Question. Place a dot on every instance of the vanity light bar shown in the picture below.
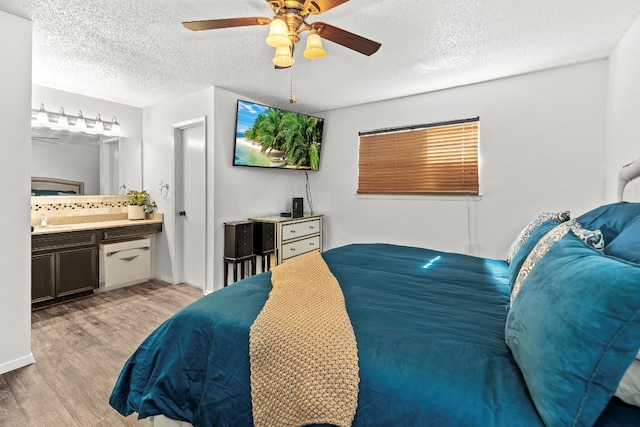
(60, 120)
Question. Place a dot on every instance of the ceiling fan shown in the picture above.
(288, 23)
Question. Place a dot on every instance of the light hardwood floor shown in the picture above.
(79, 348)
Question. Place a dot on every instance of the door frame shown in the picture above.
(177, 176)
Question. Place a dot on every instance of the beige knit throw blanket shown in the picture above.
(302, 350)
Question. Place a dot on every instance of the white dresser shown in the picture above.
(295, 236)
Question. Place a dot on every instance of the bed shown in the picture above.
(442, 338)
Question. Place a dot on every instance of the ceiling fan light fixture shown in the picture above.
(283, 57)
(314, 49)
(278, 34)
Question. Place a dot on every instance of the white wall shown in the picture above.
(15, 166)
(233, 193)
(157, 146)
(623, 110)
(243, 192)
(541, 148)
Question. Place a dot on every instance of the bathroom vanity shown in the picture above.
(64, 258)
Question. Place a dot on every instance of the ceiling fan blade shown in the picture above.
(315, 7)
(214, 24)
(346, 39)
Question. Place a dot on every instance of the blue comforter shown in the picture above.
(430, 332)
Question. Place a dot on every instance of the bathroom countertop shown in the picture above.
(65, 228)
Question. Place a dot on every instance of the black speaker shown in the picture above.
(297, 210)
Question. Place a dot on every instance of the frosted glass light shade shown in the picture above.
(98, 126)
(115, 126)
(43, 117)
(80, 123)
(283, 57)
(278, 34)
(314, 48)
(63, 121)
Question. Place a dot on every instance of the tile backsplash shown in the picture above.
(78, 209)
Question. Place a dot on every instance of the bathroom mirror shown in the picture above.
(106, 165)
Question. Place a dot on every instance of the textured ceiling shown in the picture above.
(138, 53)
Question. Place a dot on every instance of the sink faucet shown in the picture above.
(43, 223)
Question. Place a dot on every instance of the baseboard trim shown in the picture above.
(12, 365)
(167, 279)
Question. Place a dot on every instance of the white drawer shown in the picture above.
(124, 263)
(300, 229)
(299, 247)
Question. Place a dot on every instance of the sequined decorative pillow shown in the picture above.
(531, 227)
(591, 238)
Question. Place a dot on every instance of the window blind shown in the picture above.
(439, 159)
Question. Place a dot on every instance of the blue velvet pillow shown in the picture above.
(574, 329)
(527, 246)
(626, 245)
(610, 219)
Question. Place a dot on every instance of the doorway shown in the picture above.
(190, 202)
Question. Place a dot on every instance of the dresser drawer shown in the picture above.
(299, 247)
(300, 229)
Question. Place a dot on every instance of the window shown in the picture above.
(439, 158)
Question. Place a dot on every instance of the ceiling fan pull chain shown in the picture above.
(293, 92)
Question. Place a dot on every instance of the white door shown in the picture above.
(191, 197)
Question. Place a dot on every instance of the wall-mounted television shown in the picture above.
(270, 137)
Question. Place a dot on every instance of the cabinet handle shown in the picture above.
(144, 248)
(311, 244)
(293, 231)
(311, 227)
(293, 249)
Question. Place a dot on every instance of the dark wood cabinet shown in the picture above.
(76, 271)
(238, 248)
(43, 277)
(238, 239)
(264, 242)
(263, 237)
(63, 265)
